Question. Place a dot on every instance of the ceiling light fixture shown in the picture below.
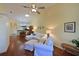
(33, 10)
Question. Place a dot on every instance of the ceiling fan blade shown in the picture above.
(38, 12)
(26, 7)
(41, 7)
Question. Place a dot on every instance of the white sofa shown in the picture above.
(30, 45)
(37, 45)
(33, 40)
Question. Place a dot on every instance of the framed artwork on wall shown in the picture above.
(70, 27)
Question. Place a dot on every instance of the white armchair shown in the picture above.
(44, 49)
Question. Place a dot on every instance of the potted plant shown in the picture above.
(76, 42)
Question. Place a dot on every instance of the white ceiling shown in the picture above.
(18, 10)
(18, 7)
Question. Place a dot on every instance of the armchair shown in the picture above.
(44, 49)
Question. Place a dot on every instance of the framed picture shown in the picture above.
(70, 27)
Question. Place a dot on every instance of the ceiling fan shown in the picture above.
(34, 8)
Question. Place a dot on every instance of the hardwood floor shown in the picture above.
(16, 49)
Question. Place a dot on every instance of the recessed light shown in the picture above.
(27, 15)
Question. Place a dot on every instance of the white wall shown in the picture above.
(56, 16)
(68, 13)
(4, 41)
